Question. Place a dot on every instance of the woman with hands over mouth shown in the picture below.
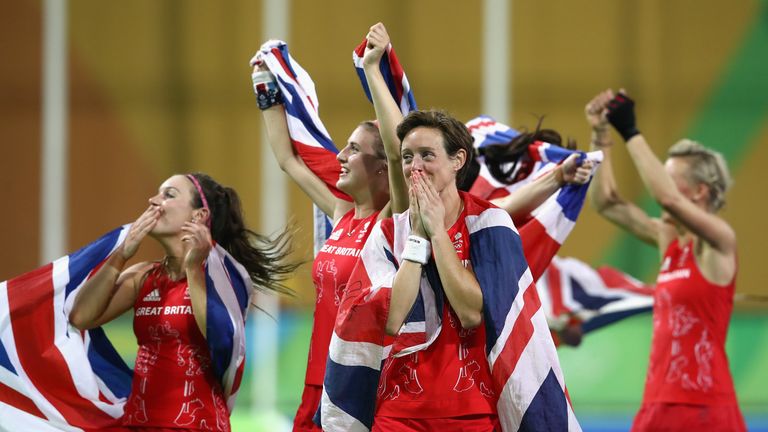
(446, 384)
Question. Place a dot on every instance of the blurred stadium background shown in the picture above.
(156, 87)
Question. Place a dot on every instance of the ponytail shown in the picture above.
(263, 257)
(509, 162)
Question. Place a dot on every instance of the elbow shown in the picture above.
(668, 201)
(78, 321)
(605, 200)
(470, 320)
(392, 329)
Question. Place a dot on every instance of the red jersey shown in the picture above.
(173, 382)
(688, 362)
(330, 272)
(451, 377)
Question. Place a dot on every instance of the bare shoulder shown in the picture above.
(135, 273)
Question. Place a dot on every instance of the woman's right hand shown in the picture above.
(575, 172)
(417, 227)
(378, 40)
(596, 110)
(139, 229)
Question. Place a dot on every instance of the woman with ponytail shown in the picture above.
(176, 382)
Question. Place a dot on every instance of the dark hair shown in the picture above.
(507, 162)
(262, 257)
(378, 144)
(455, 134)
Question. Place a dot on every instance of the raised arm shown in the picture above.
(275, 121)
(388, 114)
(527, 198)
(604, 192)
(663, 188)
(111, 291)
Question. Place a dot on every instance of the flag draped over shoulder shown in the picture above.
(520, 351)
(551, 223)
(569, 288)
(55, 377)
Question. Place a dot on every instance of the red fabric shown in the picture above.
(330, 272)
(476, 423)
(451, 377)
(173, 382)
(310, 401)
(668, 417)
(688, 363)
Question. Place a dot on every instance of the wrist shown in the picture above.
(194, 269)
(559, 175)
(629, 132)
(417, 249)
(268, 94)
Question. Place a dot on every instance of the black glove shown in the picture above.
(621, 115)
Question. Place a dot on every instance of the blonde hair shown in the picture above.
(706, 167)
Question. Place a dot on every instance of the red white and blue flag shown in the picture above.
(308, 134)
(54, 377)
(520, 351)
(570, 288)
(394, 76)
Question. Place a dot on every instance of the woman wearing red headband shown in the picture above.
(174, 385)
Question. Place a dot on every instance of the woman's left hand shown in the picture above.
(197, 244)
(431, 208)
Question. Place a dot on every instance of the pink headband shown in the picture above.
(202, 197)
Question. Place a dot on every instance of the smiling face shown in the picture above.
(174, 200)
(360, 162)
(423, 150)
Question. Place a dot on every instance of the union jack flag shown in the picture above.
(520, 351)
(55, 377)
(394, 76)
(308, 134)
(569, 288)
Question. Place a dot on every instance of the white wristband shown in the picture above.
(417, 250)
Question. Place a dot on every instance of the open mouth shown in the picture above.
(344, 171)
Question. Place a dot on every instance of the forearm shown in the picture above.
(655, 178)
(389, 116)
(524, 200)
(197, 294)
(405, 288)
(94, 297)
(604, 190)
(276, 124)
(460, 285)
(280, 142)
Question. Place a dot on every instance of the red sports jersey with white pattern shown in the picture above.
(451, 377)
(330, 272)
(173, 383)
(688, 362)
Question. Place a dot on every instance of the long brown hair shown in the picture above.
(264, 258)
